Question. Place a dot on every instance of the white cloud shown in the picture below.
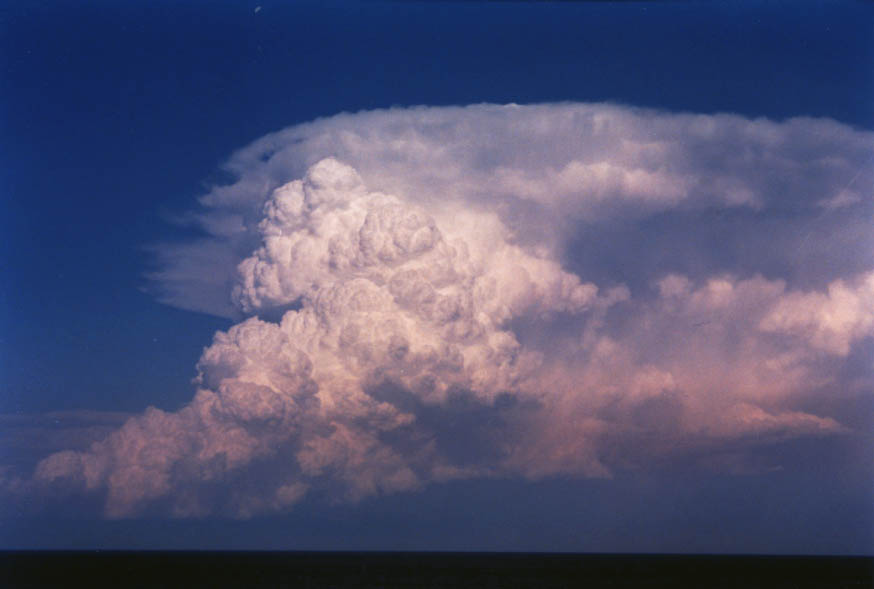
(429, 326)
(541, 169)
(830, 321)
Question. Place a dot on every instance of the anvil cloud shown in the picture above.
(435, 293)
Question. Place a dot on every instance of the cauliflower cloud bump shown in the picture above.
(409, 316)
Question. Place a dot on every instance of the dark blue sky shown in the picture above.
(115, 116)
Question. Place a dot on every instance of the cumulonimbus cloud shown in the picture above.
(415, 303)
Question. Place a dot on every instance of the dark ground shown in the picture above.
(383, 569)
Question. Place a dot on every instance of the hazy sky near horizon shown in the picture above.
(453, 276)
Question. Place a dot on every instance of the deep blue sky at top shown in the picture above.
(114, 114)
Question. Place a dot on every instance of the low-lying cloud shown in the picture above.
(528, 291)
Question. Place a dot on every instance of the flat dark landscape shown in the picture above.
(401, 569)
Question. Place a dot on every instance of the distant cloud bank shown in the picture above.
(430, 294)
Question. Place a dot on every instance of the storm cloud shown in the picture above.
(430, 294)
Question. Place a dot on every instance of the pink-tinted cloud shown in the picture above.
(422, 333)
